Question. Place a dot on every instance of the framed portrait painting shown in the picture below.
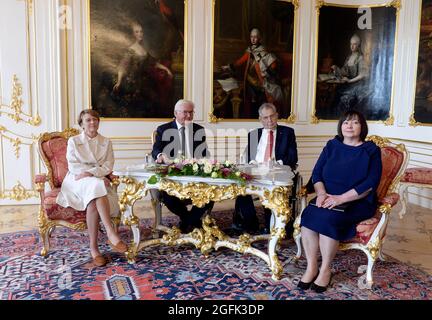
(136, 57)
(355, 61)
(253, 46)
(422, 114)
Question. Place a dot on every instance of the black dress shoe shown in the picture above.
(306, 285)
(320, 289)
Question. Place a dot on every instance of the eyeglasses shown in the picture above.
(186, 112)
(272, 116)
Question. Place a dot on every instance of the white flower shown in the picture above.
(176, 160)
(195, 167)
(228, 163)
(208, 167)
(238, 173)
(214, 175)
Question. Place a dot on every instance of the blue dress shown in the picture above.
(341, 168)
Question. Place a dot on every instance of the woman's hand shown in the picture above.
(320, 200)
(106, 181)
(83, 175)
(332, 201)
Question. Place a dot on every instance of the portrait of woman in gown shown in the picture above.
(136, 57)
(135, 87)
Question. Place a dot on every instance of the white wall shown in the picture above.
(52, 64)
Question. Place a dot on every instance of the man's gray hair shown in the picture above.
(266, 105)
(182, 102)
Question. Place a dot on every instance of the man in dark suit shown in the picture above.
(270, 142)
(181, 137)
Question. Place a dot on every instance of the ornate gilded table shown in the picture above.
(272, 187)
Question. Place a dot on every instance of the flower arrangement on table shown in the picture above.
(200, 168)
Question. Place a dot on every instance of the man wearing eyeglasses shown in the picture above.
(272, 141)
(181, 137)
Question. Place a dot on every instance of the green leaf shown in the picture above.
(153, 179)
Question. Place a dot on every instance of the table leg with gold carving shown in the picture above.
(277, 201)
(133, 191)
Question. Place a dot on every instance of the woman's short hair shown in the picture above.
(91, 112)
(353, 114)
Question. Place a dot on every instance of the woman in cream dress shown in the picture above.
(86, 186)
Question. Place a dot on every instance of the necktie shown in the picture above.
(183, 141)
(269, 148)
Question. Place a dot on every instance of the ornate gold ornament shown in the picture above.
(296, 4)
(213, 119)
(319, 4)
(389, 121)
(16, 142)
(314, 119)
(16, 106)
(201, 193)
(18, 193)
(133, 191)
(412, 121)
(277, 268)
(395, 4)
(291, 119)
(276, 201)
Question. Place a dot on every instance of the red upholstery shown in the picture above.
(365, 229)
(40, 178)
(392, 159)
(57, 212)
(55, 152)
(418, 175)
(53, 148)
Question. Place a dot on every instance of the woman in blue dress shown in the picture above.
(348, 171)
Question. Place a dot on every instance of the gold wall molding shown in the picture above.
(16, 105)
(18, 193)
(17, 140)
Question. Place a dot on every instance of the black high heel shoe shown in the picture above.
(321, 289)
(306, 285)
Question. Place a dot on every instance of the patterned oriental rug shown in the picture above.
(183, 273)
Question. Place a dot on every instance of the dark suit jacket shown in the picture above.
(168, 141)
(285, 149)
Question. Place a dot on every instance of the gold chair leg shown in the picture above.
(44, 235)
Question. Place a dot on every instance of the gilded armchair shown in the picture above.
(52, 149)
(371, 232)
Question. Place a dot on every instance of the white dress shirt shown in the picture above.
(262, 145)
(189, 137)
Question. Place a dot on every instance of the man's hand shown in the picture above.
(83, 175)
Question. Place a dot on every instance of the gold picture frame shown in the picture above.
(149, 41)
(333, 92)
(228, 93)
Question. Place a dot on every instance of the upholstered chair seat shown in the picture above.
(52, 148)
(413, 177)
(370, 233)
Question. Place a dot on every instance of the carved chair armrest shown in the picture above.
(391, 199)
(115, 180)
(40, 180)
